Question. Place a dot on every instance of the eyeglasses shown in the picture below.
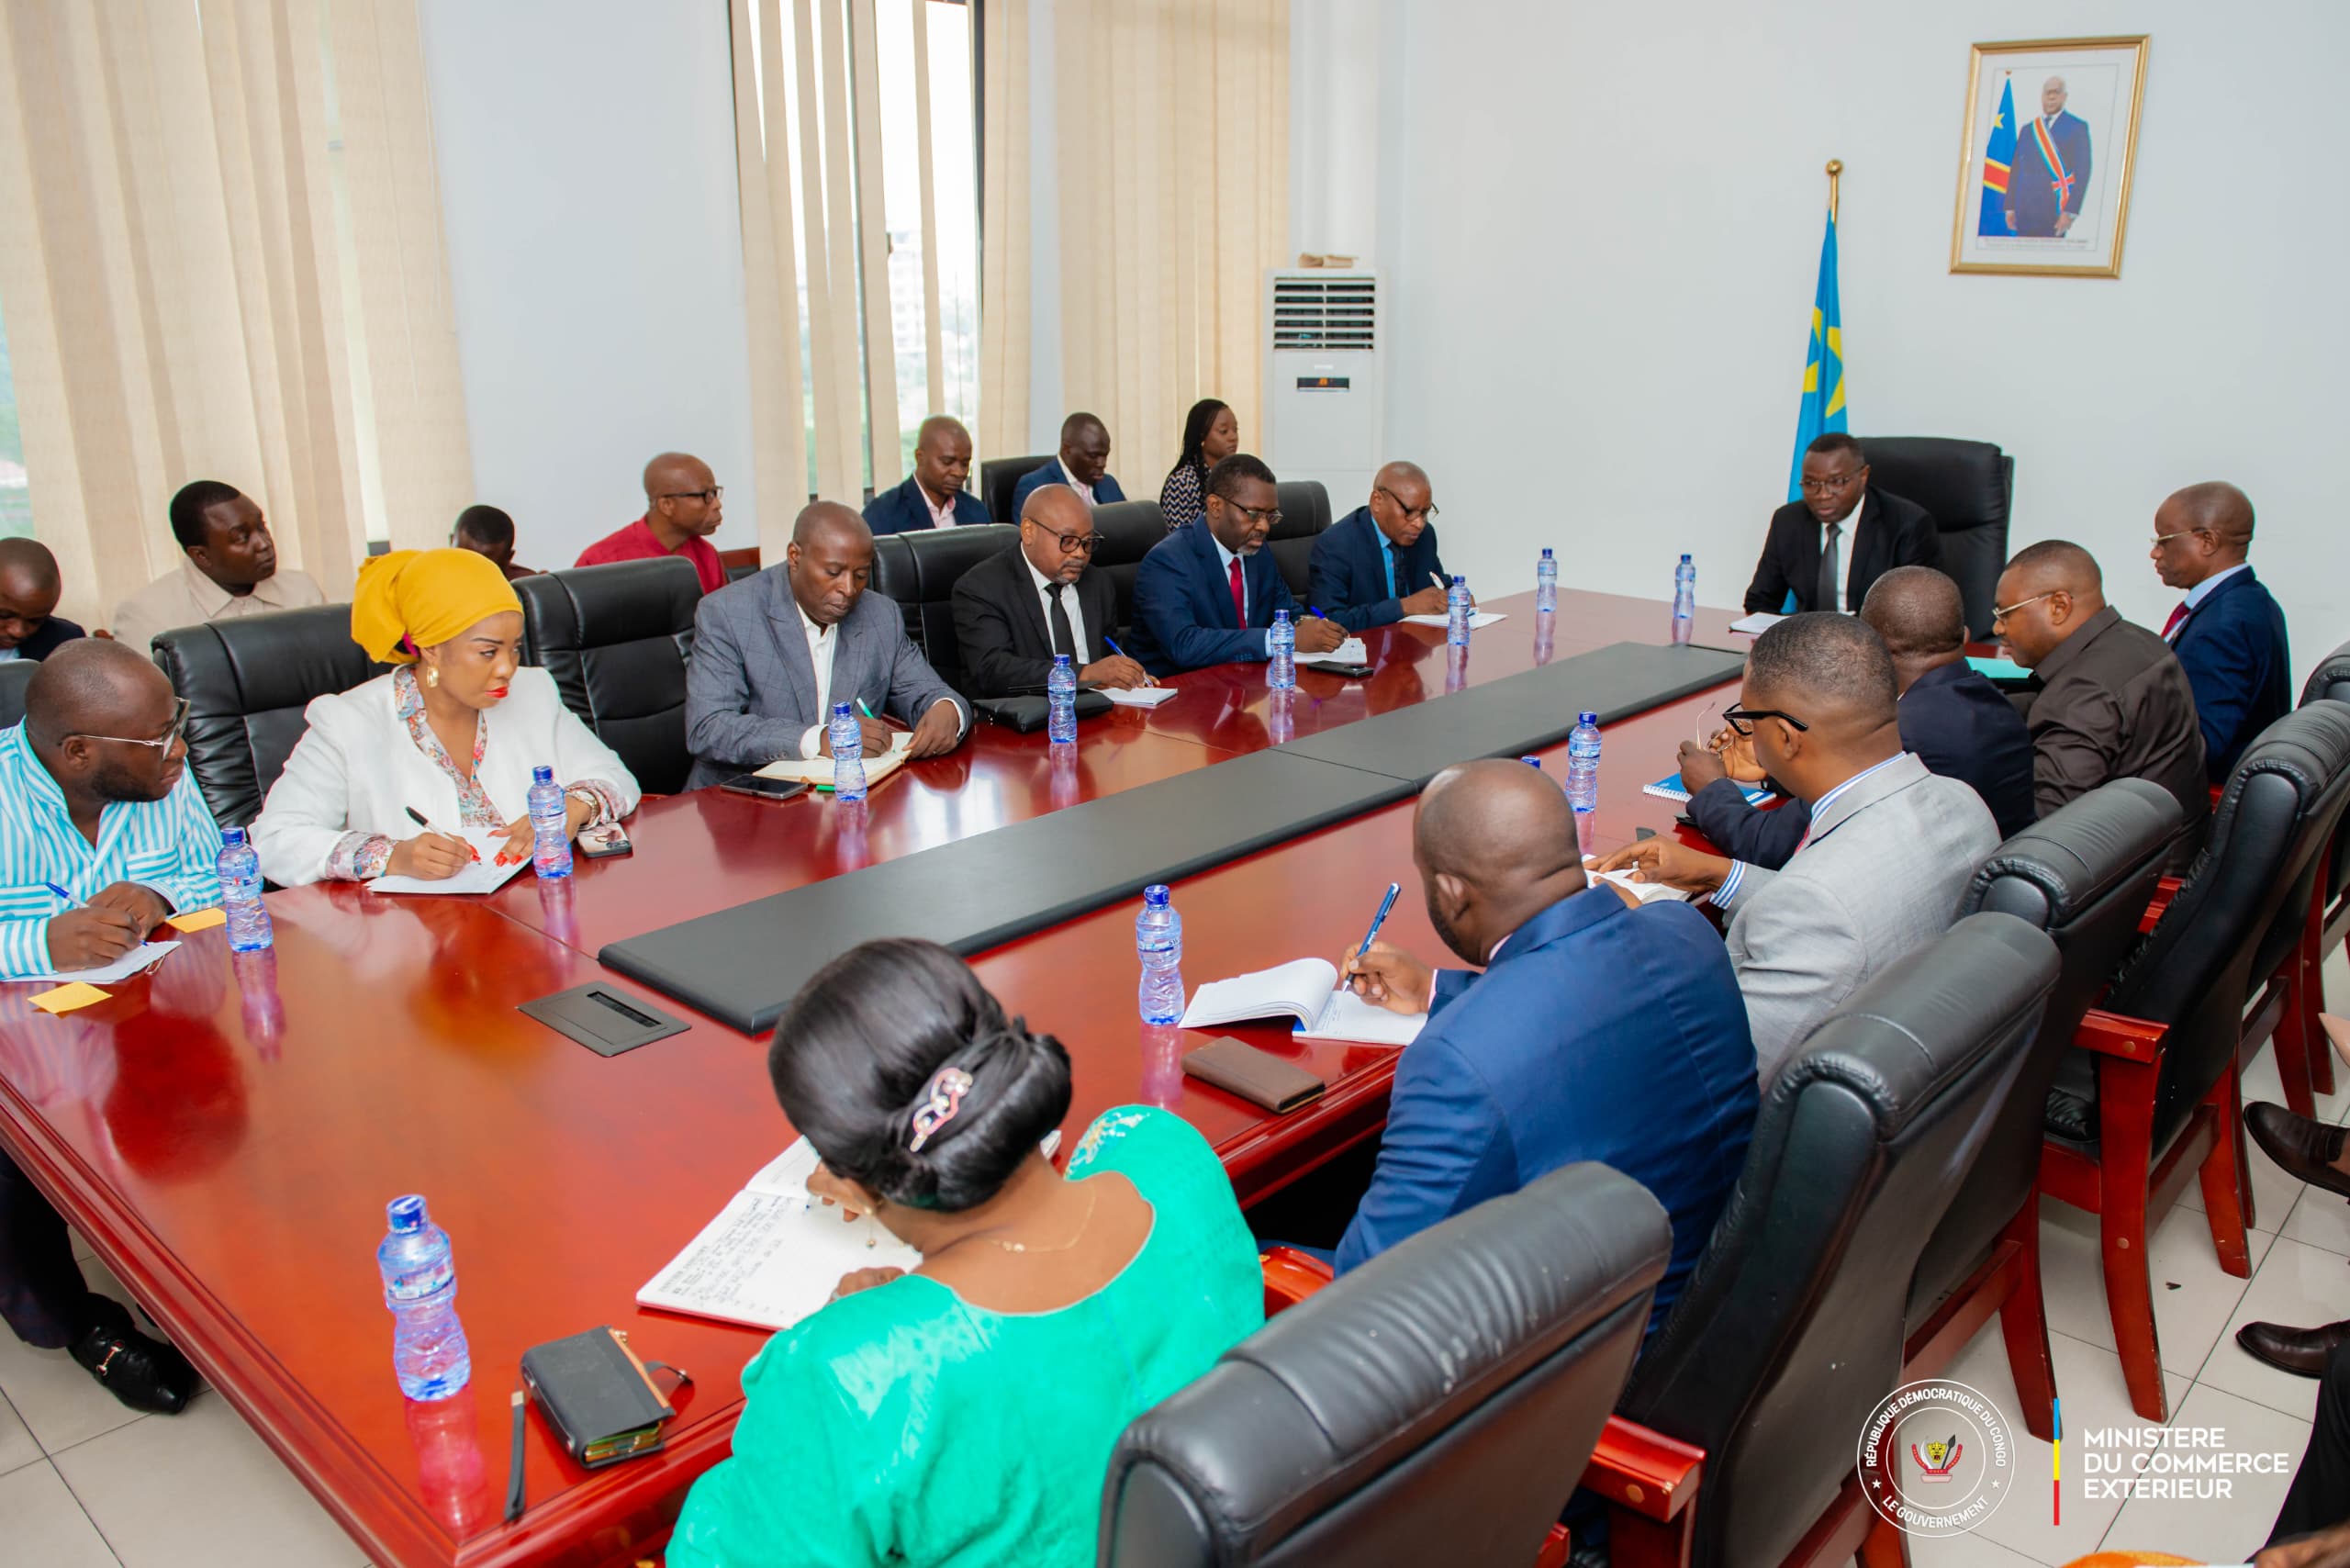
(179, 722)
(1833, 482)
(1426, 513)
(1741, 718)
(1071, 543)
(709, 498)
(1998, 615)
(1270, 516)
(2162, 539)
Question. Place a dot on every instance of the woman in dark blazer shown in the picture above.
(1210, 434)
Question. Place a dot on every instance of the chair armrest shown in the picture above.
(1291, 1276)
(2165, 890)
(2114, 1035)
(1646, 1471)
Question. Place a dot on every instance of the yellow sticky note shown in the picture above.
(197, 920)
(67, 997)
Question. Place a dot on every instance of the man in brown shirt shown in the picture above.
(2112, 701)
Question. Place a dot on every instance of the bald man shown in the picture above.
(1379, 563)
(1889, 849)
(2113, 701)
(684, 504)
(2049, 182)
(775, 652)
(1082, 463)
(2228, 632)
(1041, 597)
(934, 497)
(30, 586)
(103, 835)
(1596, 1032)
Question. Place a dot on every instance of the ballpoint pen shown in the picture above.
(1379, 919)
(69, 901)
(1148, 679)
(419, 819)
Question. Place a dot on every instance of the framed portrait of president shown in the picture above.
(2044, 163)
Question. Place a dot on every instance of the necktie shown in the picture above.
(1064, 639)
(1831, 571)
(2176, 616)
(1239, 597)
(1387, 559)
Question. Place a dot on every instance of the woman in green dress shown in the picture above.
(965, 1413)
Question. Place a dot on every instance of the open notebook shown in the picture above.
(818, 771)
(1350, 652)
(485, 875)
(1478, 620)
(1308, 991)
(773, 1254)
(1647, 892)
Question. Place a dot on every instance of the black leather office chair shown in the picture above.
(2156, 1081)
(616, 639)
(1434, 1405)
(2330, 916)
(998, 478)
(919, 569)
(1128, 529)
(1305, 512)
(1970, 488)
(2083, 874)
(15, 676)
(247, 682)
(1790, 1329)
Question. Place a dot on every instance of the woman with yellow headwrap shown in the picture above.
(450, 736)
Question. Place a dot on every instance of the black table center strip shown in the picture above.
(742, 966)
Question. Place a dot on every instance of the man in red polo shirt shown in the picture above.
(683, 506)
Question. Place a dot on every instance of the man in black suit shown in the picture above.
(1014, 612)
(1958, 723)
(1871, 530)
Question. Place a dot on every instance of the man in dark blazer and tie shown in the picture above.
(1014, 610)
(934, 497)
(1844, 530)
(1083, 465)
(2050, 178)
(1596, 1032)
(1956, 723)
(2228, 632)
(1378, 564)
(1206, 593)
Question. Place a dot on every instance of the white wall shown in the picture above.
(587, 163)
(1600, 225)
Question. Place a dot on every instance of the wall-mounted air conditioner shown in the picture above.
(1323, 397)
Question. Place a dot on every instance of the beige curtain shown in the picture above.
(187, 297)
(1173, 129)
(1003, 231)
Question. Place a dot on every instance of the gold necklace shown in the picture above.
(1074, 1237)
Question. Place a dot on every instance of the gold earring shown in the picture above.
(432, 676)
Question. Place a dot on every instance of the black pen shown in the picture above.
(514, 1463)
(417, 818)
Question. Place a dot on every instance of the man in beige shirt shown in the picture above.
(230, 569)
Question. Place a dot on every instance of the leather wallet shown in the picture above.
(1259, 1077)
(598, 1396)
(1027, 714)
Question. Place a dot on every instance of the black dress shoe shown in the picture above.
(2300, 1351)
(2300, 1146)
(145, 1375)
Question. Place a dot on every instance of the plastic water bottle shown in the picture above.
(240, 867)
(1159, 943)
(429, 1351)
(549, 826)
(1685, 600)
(1546, 582)
(848, 754)
(1282, 641)
(1061, 697)
(1456, 607)
(1583, 774)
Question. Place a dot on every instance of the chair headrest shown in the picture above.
(1962, 482)
(598, 607)
(2331, 679)
(2075, 856)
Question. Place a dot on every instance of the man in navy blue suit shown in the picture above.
(2228, 632)
(1206, 593)
(1378, 564)
(2050, 178)
(934, 497)
(1597, 1031)
(1083, 465)
(1959, 724)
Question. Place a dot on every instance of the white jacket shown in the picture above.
(358, 770)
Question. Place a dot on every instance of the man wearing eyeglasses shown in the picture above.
(1825, 550)
(103, 835)
(1206, 593)
(2228, 632)
(2113, 701)
(1016, 611)
(1378, 564)
(684, 504)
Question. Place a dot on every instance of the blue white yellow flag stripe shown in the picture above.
(1822, 407)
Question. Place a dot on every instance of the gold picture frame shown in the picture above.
(2060, 205)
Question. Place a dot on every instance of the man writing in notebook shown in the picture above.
(1596, 1032)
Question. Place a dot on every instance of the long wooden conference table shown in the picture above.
(227, 1131)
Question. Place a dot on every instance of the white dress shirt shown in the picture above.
(1080, 655)
(822, 641)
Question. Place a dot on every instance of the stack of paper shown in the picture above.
(1478, 619)
(1139, 695)
(818, 771)
(1647, 892)
(483, 876)
(1350, 652)
(1308, 991)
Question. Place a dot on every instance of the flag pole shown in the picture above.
(1835, 171)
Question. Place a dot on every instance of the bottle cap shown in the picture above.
(405, 1213)
(1155, 895)
(840, 710)
(543, 775)
(1591, 719)
(231, 835)
(1459, 582)
(1281, 617)
(1546, 553)
(1058, 658)
(1684, 555)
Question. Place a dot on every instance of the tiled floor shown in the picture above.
(85, 1484)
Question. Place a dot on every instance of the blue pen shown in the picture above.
(60, 892)
(1148, 679)
(1381, 918)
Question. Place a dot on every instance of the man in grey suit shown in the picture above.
(774, 652)
(1890, 847)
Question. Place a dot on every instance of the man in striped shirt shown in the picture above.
(103, 835)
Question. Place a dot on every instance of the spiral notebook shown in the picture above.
(1668, 789)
